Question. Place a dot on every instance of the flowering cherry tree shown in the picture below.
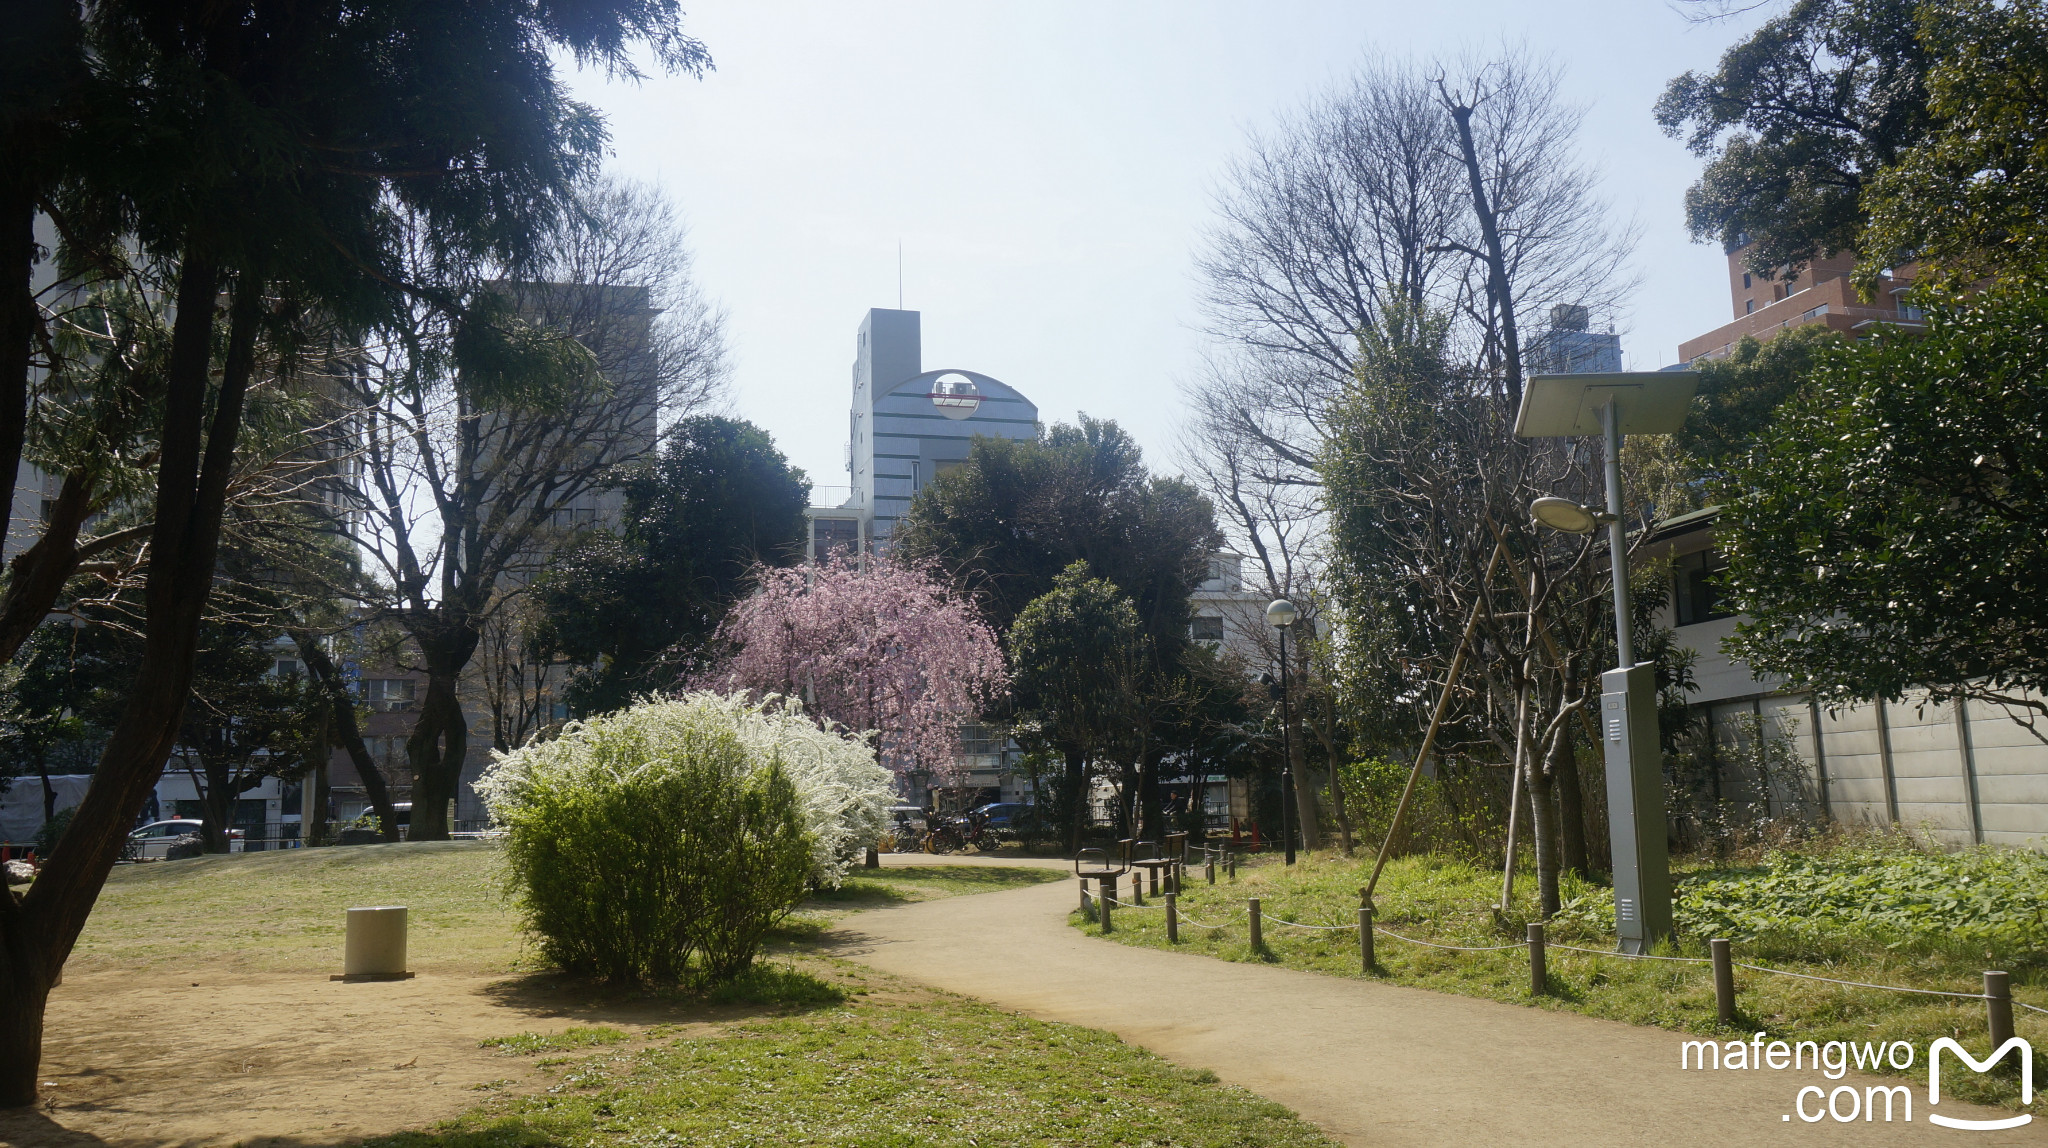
(889, 649)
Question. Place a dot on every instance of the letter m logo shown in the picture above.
(2026, 1052)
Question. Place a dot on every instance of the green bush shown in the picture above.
(651, 844)
(1981, 897)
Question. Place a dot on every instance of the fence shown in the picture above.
(1997, 995)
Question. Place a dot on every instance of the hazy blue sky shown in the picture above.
(1048, 168)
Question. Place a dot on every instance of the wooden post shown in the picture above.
(874, 858)
(1258, 933)
(1211, 869)
(1108, 887)
(1443, 703)
(1172, 919)
(1539, 976)
(1724, 981)
(1998, 1006)
(1365, 955)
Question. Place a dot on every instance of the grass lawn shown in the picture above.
(285, 911)
(805, 1049)
(892, 1065)
(1448, 902)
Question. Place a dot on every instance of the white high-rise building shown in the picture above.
(906, 425)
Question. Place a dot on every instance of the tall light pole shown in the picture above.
(1609, 405)
(1281, 614)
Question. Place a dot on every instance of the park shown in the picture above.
(1334, 627)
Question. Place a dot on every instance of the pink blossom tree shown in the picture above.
(888, 649)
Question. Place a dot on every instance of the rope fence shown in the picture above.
(1997, 994)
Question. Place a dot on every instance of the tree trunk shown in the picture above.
(24, 993)
(17, 329)
(1498, 287)
(1077, 800)
(37, 575)
(1571, 803)
(1543, 818)
(436, 749)
(1307, 810)
(194, 465)
(341, 712)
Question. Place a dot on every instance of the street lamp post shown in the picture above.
(1281, 614)
(1609, 405)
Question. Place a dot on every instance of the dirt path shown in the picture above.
(1372, 1064)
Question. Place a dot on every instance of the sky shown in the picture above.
(1049, 171)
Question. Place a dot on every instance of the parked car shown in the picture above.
(154, 841)
(1006, 816)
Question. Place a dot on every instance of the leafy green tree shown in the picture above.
(1796, 122)
(1009, 522)
(262, 149)
(1972, 197)
(637, 608)
(1739, 396)
(1078, 657)
(1886, 534)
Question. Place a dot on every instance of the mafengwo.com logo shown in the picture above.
(1847, 1103)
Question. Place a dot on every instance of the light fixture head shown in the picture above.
(1281, 613)
(1566, 515)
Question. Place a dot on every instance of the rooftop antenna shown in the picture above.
(899, 275)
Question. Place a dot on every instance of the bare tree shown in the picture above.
(1447, 196)
(488, 442)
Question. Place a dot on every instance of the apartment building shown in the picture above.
(1963, 772)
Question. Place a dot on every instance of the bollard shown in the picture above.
(373, 948)
(1724, 981)
(1108, 888)
(874, 858)
(1539, 977)
(1365, 955)
(1998, 1007)
(1154, 871)
(1172, 919)
(1258, 934)
(1210, 869)
(1137, 888)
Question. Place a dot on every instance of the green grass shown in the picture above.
(1449, 902)
(286, 911)
(842, 1055)
(529, 1043)
(933, 1070)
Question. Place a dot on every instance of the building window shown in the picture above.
(977, 740)
(1696, 593)
(574, 516)
(1206, 628)
(1749, 306)
(289, 668)
(829, 534)
(387, 695)
(1745, 280)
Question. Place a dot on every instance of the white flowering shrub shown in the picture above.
(652, 844)
(661, 842)
(846, 794)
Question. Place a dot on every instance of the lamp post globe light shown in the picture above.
(1611, 404)
(1280, 613)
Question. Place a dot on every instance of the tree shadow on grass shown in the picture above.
(767, 989)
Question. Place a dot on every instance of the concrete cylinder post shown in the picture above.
(1539, 975)
(1724, 981)
(1257, 919)
(1173, 918)
(1998, 1006)
(374, 945)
